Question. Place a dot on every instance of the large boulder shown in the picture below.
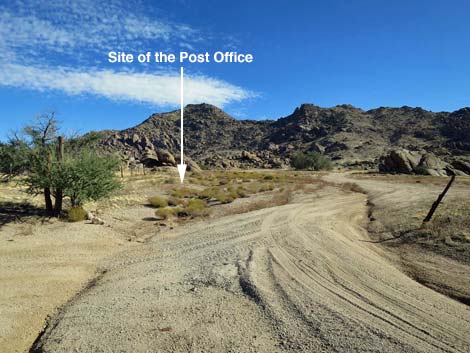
(192, 166)
(166, 158)
(150, 159)
(433, 165)
(399, 161)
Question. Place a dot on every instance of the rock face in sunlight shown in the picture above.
(349, 136)
(426, 163)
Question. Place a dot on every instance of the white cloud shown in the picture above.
(30, 29)
(161, 89)
(58, 45)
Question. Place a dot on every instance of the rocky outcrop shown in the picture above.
(400, 161)
(251, 157)
(407, 162)
(461, 165)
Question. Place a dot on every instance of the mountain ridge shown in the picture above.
(350, 136)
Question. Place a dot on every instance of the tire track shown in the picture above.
(293, 278)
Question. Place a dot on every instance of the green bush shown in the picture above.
(310, 161)
(82, 177)
(77, 214)
(176, 201)
(158, 201)
(196, 207)
(420, 170)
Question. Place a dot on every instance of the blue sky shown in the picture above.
(369, 53)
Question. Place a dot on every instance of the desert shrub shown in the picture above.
(420, 170)
(158, 201)
(219, 194)
(241, 192)
(166, 212)
(225, 198)
(196, 207)
(77, 214)
(176, 201)
(183, 192)
(209, 193)
(310, 161)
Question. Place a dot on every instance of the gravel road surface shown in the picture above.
(295, 278)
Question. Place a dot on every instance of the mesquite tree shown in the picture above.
(48, 169)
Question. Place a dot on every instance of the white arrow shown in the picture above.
(181, 166)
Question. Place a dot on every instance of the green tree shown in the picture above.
(310, 161)
(78, 174)
(86, 176)
(14, 158)
(40, 137)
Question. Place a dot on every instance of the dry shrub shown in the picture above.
(77, 214)
(177, 201)
(158, 201)
(195, 208)
(184, 192)
(167, 212)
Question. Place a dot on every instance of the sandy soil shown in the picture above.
(399, 203)
(45, 262)
(42, 266)
(301, 277)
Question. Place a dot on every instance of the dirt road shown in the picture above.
(297, 278)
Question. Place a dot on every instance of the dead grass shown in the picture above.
(448, 233)
(276, 199)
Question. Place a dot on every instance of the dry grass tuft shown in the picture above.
(158, 201)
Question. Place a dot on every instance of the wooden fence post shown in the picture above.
(438, 201)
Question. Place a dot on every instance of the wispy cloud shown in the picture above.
(161, 89)
(35, 28)
(38, 37)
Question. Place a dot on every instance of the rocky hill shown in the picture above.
(349, 136)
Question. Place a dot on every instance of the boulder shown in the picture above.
(192, 166)
(433, 165)
(166, 158)
(462, 166)
(135, 138)
(250, 157)
(430, 161)
(399, 161)
(150, 159)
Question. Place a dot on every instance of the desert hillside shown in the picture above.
(349, 136)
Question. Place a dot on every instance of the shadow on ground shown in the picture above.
(17, 212)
